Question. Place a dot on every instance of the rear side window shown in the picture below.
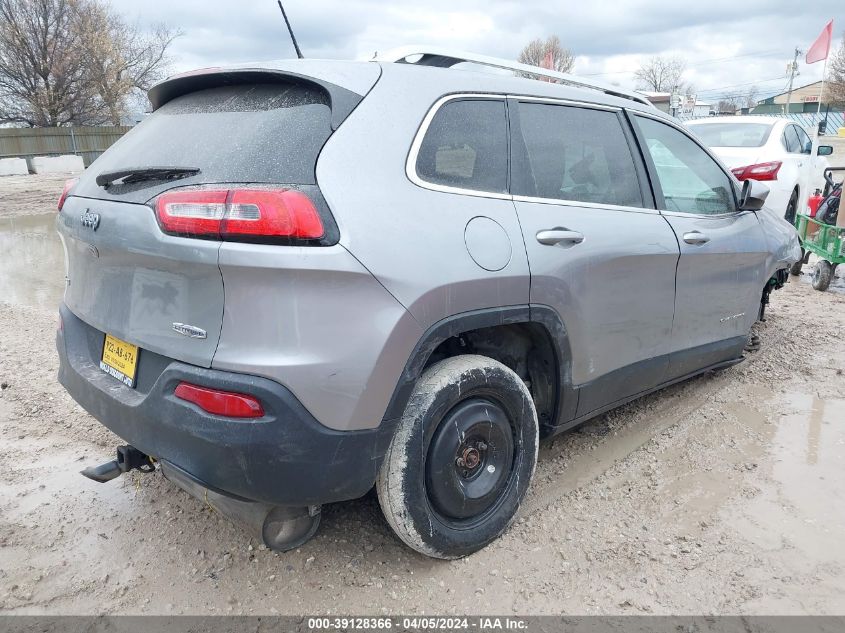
(790, 140)
(803, 140)
(466, 146)
(577, 154)
(264, 133)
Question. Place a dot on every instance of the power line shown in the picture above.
(749, 83)
(695, 65)
(726, 59)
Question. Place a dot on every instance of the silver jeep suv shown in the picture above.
(299, 280)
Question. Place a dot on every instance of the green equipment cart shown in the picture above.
(826, 241)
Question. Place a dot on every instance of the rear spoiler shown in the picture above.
(342, 100)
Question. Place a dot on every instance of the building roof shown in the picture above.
(796, 89)
(665, 97)
(731, 118)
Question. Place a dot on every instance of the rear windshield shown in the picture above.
(245, 133)
(732, 134)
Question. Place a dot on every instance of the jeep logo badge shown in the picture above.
(90, 220)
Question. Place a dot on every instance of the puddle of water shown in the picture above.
(702, 489)
(31, 261)
(587, 465)
(806, 503)
(44, 480)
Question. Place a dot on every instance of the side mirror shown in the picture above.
(753, 196)
(825, 150)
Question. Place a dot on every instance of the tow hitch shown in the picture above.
(280, 528)
(128, 458)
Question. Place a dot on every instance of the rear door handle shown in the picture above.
(558, 235)
(696, 237)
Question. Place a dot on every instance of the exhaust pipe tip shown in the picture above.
(287, 528)
(281, 528)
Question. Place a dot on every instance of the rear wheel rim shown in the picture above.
(470, 462)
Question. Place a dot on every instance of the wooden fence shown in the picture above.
(88, 142)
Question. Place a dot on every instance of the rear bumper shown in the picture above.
(284, 458)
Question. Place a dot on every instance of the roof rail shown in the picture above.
(445, 58)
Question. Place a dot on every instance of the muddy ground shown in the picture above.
(722, 495)
(31, 195)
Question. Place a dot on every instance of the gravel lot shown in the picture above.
(723, 495)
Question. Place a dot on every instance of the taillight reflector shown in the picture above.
(225, 403)
(759, 171)
(69, 184)
(239, 214)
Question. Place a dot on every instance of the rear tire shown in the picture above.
(822, 274)
(461, 459)
(792, 208)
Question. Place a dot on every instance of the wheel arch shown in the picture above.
(501, 333)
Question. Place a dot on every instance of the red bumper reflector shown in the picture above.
(225, 403)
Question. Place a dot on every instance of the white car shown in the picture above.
(775, 150)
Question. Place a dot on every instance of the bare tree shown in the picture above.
(727, 106)
(121, 58)
(750, 97)
(538, 52)
(73, 61)
(835, 85)
(661, 74)
(731, 103)
(42, 70)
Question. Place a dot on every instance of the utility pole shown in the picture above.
(793, 69)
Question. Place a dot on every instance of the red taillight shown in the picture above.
(759, 171)
(225, 403)
(192, 212)
(239, 214)
(69, 184)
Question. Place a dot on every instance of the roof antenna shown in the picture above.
(290, 30)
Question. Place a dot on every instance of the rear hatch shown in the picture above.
(218, 130)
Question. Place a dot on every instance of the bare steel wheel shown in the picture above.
(461, 459)
(469, 462)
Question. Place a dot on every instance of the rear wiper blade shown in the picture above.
(140, 174)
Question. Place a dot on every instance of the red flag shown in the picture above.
(548, 61)
(821, 47)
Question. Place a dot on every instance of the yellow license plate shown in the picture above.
(120, 359)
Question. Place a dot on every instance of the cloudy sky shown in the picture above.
(729, 45)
